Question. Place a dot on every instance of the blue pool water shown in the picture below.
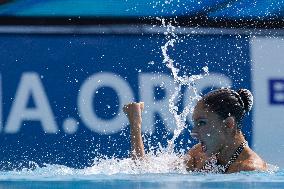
(120, 175)
(158, 181)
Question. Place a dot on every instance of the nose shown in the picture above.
(194, 134)
(194, 130)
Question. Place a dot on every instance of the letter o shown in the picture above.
(85, 102)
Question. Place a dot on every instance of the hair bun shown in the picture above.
(247, 98)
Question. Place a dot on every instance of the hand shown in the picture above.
(134, 112)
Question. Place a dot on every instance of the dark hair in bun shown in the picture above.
(247, 98)
(227, 102)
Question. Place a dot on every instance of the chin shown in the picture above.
(209, 152)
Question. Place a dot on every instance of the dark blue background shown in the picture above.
(218, 9)
(61, 59)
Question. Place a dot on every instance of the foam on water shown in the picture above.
(161, 162)
(127, 169)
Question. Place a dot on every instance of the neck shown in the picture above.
(230, 148)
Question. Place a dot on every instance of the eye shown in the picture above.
(200, 123)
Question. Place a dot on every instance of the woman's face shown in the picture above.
(209, 129)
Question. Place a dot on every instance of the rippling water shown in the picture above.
(159, 171)
(62, 177)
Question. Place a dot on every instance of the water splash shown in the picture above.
(188, 81)
(125, 169)
(160, 162)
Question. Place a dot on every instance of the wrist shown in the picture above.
(135, 128)
(135, 122)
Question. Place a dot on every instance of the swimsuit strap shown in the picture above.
(235, 155)
(211, 165)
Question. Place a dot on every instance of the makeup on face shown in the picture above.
(200, 122)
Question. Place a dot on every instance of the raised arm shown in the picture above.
(134, 114)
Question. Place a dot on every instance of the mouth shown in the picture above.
(194, 135)
(203, 145)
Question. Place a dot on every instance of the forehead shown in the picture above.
(201, 111)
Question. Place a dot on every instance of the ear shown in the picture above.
(230, 122)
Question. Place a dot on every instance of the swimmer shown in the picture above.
(217, 118)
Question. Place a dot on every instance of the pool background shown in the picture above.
(62, 89)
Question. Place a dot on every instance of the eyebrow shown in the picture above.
(199, 118)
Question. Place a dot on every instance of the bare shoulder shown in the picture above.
(196, 149)
(195, 158)
(252, 162)
(248, 165)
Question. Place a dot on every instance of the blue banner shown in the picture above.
(218, 9)
(62, 95)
